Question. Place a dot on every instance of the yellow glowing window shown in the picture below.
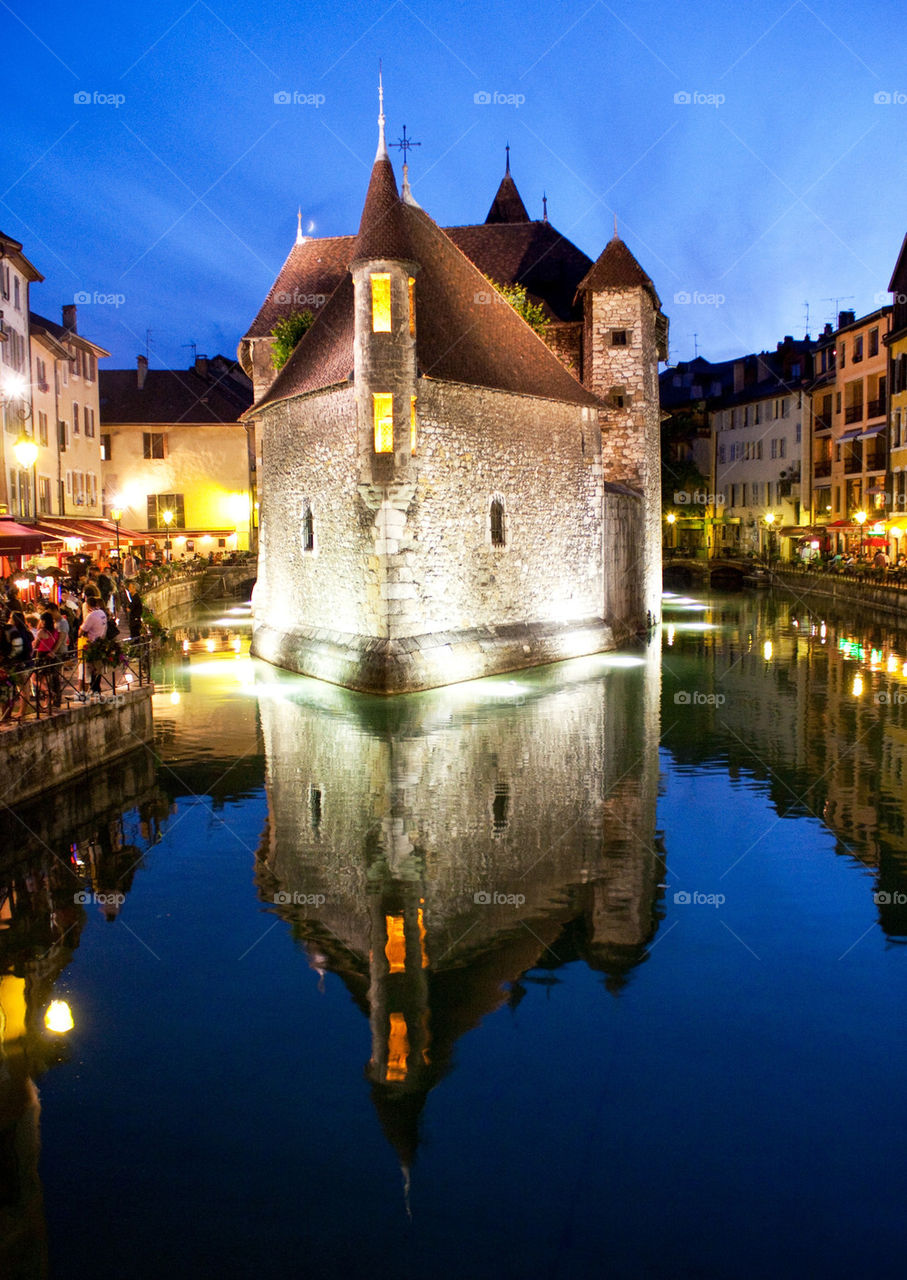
(384, 422)
(381, 303)
(397, 1047)
(412, 424)
(412, 307)
(396, 944)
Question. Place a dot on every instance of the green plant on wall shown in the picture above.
(286, 333)
(532, 312)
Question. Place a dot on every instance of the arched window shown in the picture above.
(308, 528)
(497, 522)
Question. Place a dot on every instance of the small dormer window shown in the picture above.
(619, 338)
(497, 523)
(383, 409)
(308, 528)
(412, 307)
(381, 303)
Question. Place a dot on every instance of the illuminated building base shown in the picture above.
(374, 665)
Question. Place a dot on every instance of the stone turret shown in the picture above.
(624, 336)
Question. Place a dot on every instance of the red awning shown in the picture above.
(95, 532)
(18, 539)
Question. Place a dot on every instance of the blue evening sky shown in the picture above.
(172, 191)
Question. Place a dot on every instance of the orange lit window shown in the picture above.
(412, 424)
(396, 944)
(384, 422)
(381, 303)
(397, 1047)
(412, 307)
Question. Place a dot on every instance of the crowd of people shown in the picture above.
(94, 601)
(878, 564)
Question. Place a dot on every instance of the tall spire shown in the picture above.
(300, 238)
(381, 153)
(615, 236)
(544, 206)
(507, 161)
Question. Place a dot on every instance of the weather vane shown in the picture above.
(406, 144)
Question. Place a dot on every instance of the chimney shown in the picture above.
(738, 375)
(69, 318)
(142, 371)
(845, 318)
(201, 366)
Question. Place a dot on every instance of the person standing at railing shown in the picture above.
(49, 652)
(16, 646)
(94, 628)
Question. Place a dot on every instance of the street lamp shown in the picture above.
(770, 526)
(116, 516)
(26, 451)
(860, 518)
(671, 520)
(167, 517)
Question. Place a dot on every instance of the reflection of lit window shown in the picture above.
(500, 806)
(384, 422)
(412, 307)
(396, 944)
(315, 805)
(381, 304)
(412, 424)
(397, 1047)
(421, 921)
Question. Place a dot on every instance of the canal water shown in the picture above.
(597, 969)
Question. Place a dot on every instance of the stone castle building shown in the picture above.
(443, 493)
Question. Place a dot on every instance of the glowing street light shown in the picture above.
(769, 518)
(26, 451)
(167, 518)
(116, 515)
(59, 1017)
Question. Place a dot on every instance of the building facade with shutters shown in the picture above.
(172, 442)
(444, 494)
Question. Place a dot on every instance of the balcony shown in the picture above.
(853, 464)
(822, 468)
(821, 423)
(875, 461)
(876, 408)
(853, 413)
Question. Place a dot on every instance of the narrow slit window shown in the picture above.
(412, 424)
(412, 307)
(497, 523)
(381, 303)
(308, 529)
(384, 422)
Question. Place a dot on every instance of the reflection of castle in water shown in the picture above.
(433, 850)
(54, 871)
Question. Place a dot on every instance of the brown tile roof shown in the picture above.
(507, 205)
(306, 280)
(532, 254)
(171, 396)
(324, 355)
(465, 332)
(616, 268)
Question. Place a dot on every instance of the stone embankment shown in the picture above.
(890, 599)
(169, 600)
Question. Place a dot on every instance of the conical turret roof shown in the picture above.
(507, 205)
(616, 268)
(383, 229)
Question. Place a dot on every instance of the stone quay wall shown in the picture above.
(871, 595)
(169, 600)
(39, 755)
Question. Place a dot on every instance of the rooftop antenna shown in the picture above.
(194, 346)
(695, 346)
(837, 305)
(806, 305)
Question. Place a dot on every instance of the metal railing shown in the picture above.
(853, 413)
(57, 687)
